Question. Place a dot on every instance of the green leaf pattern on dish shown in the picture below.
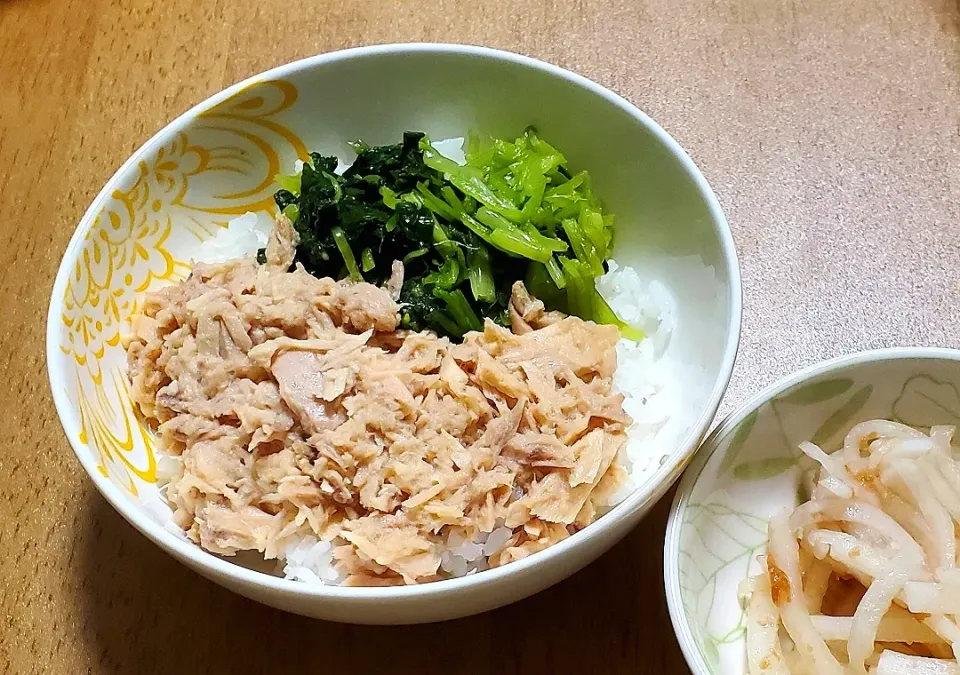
(739, 438)
(711, 652)
(763, 468)
(839, 421)
(817, 392)
(925, 401)
(805, 395)
(720, 542)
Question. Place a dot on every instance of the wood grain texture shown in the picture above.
(830, 131)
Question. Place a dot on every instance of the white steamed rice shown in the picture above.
(243, 236)
(647, 380)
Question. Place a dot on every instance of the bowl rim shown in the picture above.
(221, 568)
(671, 548)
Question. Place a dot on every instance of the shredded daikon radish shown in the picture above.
(834, 466)
(862, 579)
(892, 663)
(939, 520)
(815, 582)
(933, 467)
(763, 644)
(866, 620)
(945, 628)
(948, 576)
(851, 555)
(892, 628)
(783, 566)
(834, 487)
(853, 511)
(871, 430)
(932, 598)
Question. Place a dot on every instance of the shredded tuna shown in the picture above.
(527, 313)
(282, 245)
(395, 282)
(298, 409)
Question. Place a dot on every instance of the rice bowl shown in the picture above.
(685, 238)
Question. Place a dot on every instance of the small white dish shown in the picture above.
(748, 470)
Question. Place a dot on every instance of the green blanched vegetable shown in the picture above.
(367, 261)
(343, 245)
(481, 274)
(465, 233)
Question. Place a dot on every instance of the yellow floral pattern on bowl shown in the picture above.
(220, 165)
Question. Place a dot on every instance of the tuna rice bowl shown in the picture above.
(425, 365)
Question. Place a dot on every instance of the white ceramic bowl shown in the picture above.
(748, 470)
(218, 160)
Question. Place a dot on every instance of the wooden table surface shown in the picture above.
(830, 130)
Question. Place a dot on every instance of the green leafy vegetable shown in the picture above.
(481, 274)
(465, 233)
(340, 238)
(367, 261)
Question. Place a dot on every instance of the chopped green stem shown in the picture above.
(480, 275)
(366, 260)
(337, 189)
(591, 223)
(435, 160)
(290, 183)
(580, 289)
(514, 241)
(568, 188)
(292, 212)
(389, 197)
(475, 226)
(556, 274)
(449, 274)
(413, 255)
(526, 242)
(340, 238)
(435, 204)
(604, 314)
(583, 247)
(550, 243)
(473, 186)
(452, 199)
(460, 309)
